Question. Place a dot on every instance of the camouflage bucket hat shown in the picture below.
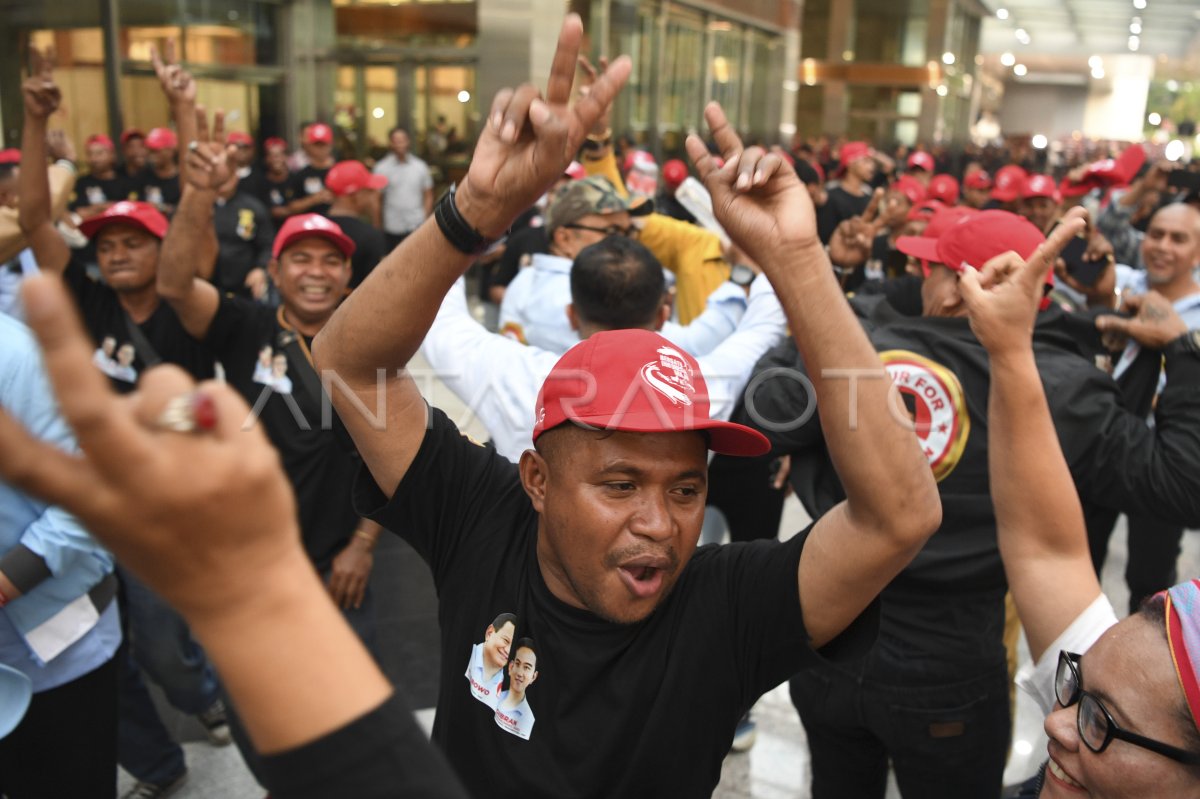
(591, 195)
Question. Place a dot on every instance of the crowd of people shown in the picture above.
(964, 378)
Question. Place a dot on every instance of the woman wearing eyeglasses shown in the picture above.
(1122, 698)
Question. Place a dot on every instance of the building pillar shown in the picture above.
(309, 39)
(521, 36)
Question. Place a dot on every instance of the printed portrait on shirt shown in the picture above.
(489, 659)
(513, 714)
(245, 224)
(116, 361)
(271, 370)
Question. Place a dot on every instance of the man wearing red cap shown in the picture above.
(266, 355)
(408, 195)
(1040, 201)
(102, 185)
(977, 189)
(126, 309)
(674, 172)
(309, 194)
(133, 153)
(1006, 189)
(271, 182)
(591, 540)
(921, 166)
(943, 188)
(160, 181)
(933, 694)
(356, 197)
(849, 195)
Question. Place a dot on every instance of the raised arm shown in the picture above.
(174, 486)
(180, 89)
(526, 144)
(42, 97)
(892, 505)
(191, 243)
(1039, 520)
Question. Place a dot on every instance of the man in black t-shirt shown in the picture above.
(272, 182)
(244, 235)
(356, 195)
(160, 179)
(591, 540)
(132, 330)
(102, 185)
(309, 194)
(850, 193)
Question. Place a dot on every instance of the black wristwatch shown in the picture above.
(458, 231)
(1187, 344)
(741, 275)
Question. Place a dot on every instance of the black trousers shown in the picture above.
(1153, 552)
(944, 726)
(66, 746)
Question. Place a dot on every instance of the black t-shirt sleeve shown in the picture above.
(381, 754)
(770, 639)
(454, 489)
(231, 336)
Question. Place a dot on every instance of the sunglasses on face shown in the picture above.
(1096, 726)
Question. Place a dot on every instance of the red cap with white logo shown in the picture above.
(304, 226)
(348, 177)
(973, 239)
(318, 133)
(1040, 186)
(127, 212)
(945, 188)
(638, 382)
(921, 160)
(162, 139)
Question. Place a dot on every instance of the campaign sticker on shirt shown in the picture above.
(271, 370)
(245, 224)
(154, 195)
(499, 673)
(276, 197)
(116, 361)
(313, 185)
(96, 195)
(934, 397)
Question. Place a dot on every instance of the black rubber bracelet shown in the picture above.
(457, 230)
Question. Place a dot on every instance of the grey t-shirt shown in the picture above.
(404, 195)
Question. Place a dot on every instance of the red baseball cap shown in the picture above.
(852, 151)
(910, 187)
(10, 156)
(924, 247)
(637, 158)
(1069, 188)
(239, 137)
(1117, 171)
(128, 212)
(979, 179)
(303, 226)
(944, 188)
(162, 139)
(131, 133)
(101, 139)
(674, 172)
(347, 177)
(1008, 183)
(1040, 186)
(638, 382)
(973, 239)
(921, 160)
(274, 141)
(318, 133)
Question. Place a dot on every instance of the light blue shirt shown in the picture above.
(76, 562)
(10, 283)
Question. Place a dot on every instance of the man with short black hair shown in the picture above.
(408, 196)
(307, 187)
(591, 539)
(355, 198)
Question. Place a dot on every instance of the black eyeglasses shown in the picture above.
(611, 230)
(1096, 726)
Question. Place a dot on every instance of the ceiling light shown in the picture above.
(1095, 62)
(464, 96)
(1134, 43)
(1172, 85)
(1155, 119)
(1008, 59)
(1098, 73)
(1135, 28)
(1020, 70)
(947, 58)
(1140, 5)
(1175, 150)
(1001, 13)
(942, 91)
(1039, 141)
